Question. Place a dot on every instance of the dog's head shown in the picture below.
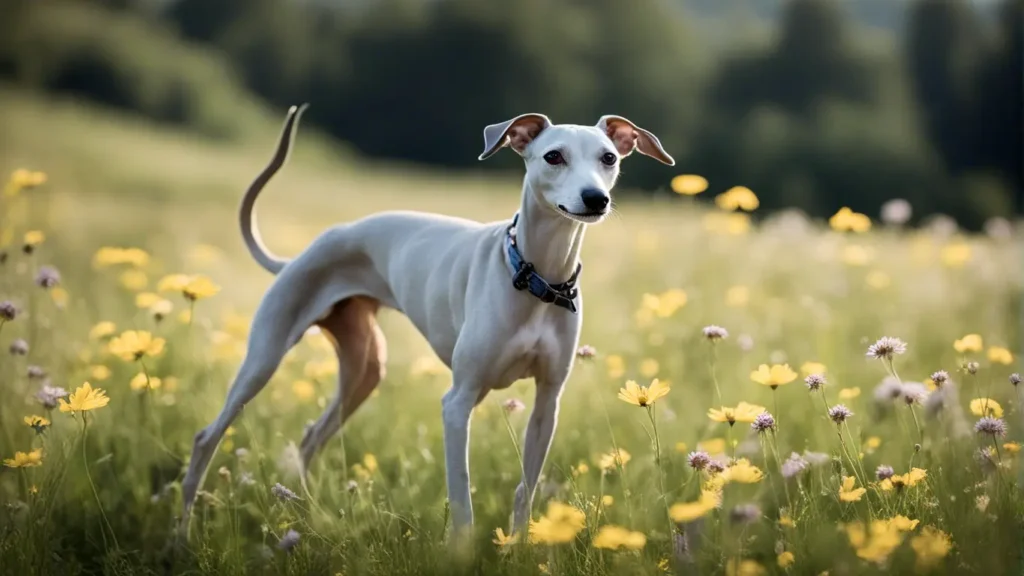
(570, 168)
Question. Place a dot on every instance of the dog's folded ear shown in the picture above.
(628, 137)
(517, 133)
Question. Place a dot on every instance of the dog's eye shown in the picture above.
(609, 159)
(554, 158)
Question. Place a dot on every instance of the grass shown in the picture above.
(788, 290)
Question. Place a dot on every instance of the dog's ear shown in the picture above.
(628, 136)
(517, 133)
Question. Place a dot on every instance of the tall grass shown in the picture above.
(105, 496)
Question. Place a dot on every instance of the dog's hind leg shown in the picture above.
(362, 354)
(266, 349)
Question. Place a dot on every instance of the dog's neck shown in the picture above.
(547, 239)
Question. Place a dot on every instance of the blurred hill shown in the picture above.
(812, 103)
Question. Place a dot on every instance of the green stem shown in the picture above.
(853, 464)
(657, 462)
(712, 363)
(920, 431)
(96, 495)
(775, 402)
(732, 446)
(778, 463)
(863, 473)
(512, 435)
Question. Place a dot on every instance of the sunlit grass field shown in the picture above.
(97, 490)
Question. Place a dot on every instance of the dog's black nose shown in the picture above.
(595, 199)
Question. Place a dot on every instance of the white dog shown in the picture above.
(497, 302)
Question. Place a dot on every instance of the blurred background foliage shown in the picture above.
(815, 104)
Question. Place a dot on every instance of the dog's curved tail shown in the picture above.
(247, 215)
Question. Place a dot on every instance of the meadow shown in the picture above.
(883, 353)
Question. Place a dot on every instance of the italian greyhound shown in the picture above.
(497, 302)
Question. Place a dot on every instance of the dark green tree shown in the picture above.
(944, 48)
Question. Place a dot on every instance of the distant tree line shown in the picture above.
(820, 113)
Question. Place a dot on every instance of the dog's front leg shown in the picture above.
(539, 432)
(456, 409)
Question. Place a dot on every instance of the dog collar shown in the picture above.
(525, 277)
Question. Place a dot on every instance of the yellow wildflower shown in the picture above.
(84, 399)
(37, 423)
(502, 540)
(969, 343)
(1012, 447)
(649, 367)
(808, 368)
(303, 390)
(1000, 355)
(616, 366)
(849, 393)
(147, 300)
(360, 472)
(690, 511)
(643, 395)
(665, 304)
(580, 469)
(99, 372)
(743, 412)
(689, 184)
(560, 525)
(191, 287)
(25, 459)
(133, 345)
(60, 297)
(847, 493)
(737, 198)
(786, 559)
(930, 546)
(787, 521)
(102, 330)
(901, 522)
(986, 407)
(773, 376)
(875, 543)
(847, 220)
(900, 481)
(712, 445)
(110, 256)
(370, 462)
(22, 179)
(615, 537)
(133, 279)
(736, 567)
(742, 471)
(614, 459)
(140, 382)
(33, 238)
(607, 500)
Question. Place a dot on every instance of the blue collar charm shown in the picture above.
(524, 277)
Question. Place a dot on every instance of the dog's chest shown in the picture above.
(531, 347)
